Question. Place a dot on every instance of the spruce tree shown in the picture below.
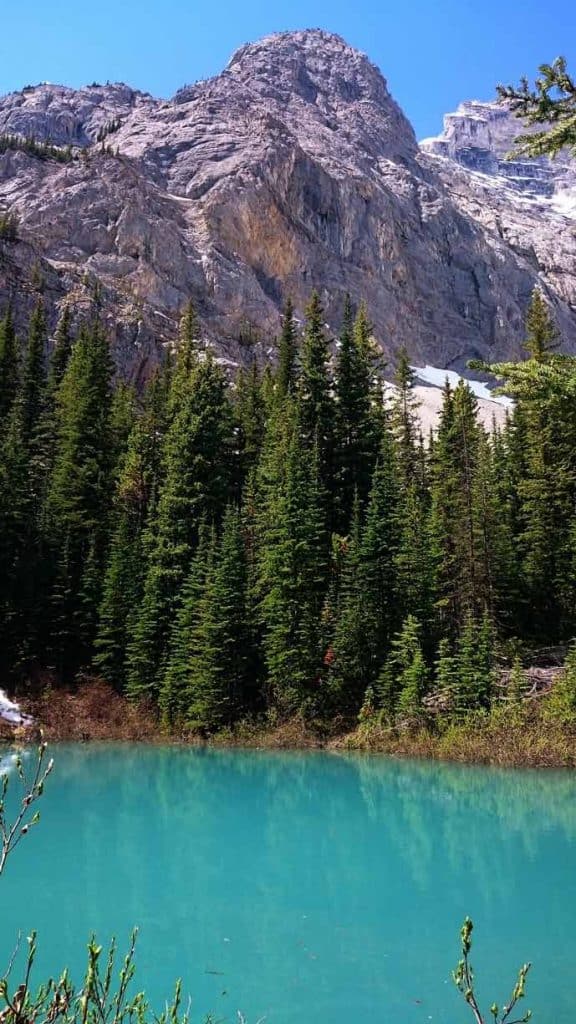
(61, 349)
(287, 372)
(541, 333)
(207, 675)
(350, 660)
(315, 393)
(33, 375)
(357, 432)
(404, 418)
(79, 495)
(292, 566)
(475, 666)
(9, 365)
(403, 681)
(198, 471)
(250, 410)
(133, 507)
(176, 695)
(379, 553)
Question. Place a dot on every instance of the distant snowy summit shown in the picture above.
(480, 137)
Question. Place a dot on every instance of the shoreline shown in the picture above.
(515, 737)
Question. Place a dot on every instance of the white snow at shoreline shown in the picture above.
(11, 712)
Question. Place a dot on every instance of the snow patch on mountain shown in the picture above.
(437, 378)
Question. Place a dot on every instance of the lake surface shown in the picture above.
(303, 887)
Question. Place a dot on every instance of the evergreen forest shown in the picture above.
(284, 542)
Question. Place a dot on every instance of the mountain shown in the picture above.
(292, 169)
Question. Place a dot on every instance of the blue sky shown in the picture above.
(433, 54)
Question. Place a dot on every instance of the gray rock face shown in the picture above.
(480, 137)
(292, 169)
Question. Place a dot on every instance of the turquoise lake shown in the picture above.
(303, 887)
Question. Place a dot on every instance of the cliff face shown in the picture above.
(292, 169)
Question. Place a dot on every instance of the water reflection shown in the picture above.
(299, 885)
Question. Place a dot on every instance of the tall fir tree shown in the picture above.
(198, 471)
(357, 425)
(317, 413)
(9, 364)
(207, 676)
(292, 572)
(287, 372)
(78, 498)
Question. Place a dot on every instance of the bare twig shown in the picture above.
(12, 834)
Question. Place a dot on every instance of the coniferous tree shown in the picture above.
(404, 418)
(176, 694)
(460, 525)
(541, 333)
(292, 570)
(551, 103)
(134, 505)
(250, 412)
(287, 373)
(357, 433)
(446, 672)
(9, 365)
(350, 658)
(79, 495)
(475, 663)
(210, 657)
(198, 471)
(403, 680)
(61, 349)
(314, 393)
(31, 395)
(379, 553)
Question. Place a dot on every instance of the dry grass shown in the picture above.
(522, 735)
(92, 711)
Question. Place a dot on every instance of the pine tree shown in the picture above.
(198, 470)
(250, 410)
(315, 387)
(134, 505)
(287, 373)
(551, 103)
(351, 669)
(357, 433)
(379, 553)
(415, 564)
(404, 418)
(175, 694)
(186, 357)
(61, 350)
(9, 365)
(473, 689)
(446, 672)
(79, 495)
(33, 376)
(463, 517)
(16, 518)
(292, 565)
(541, 333)
(210, 656)
(403, 681)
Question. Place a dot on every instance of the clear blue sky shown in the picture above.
(434, 53)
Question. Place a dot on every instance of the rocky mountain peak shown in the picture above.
(293, 169)
(310, 64)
